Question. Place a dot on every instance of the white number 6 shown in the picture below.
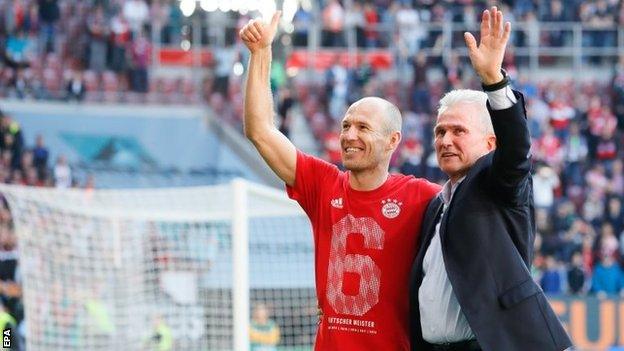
(340, 262)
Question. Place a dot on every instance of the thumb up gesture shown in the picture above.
(258, 35)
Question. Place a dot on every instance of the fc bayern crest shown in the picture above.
(391, 208)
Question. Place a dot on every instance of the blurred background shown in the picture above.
(148, 94)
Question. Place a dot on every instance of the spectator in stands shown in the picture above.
(75, 87)
(614, 214)
(333, 24)
(20, 84)
(601, 122)
(606, 245)
(11, 139)
(551, 278)
(62, 173)
(411, 157)
(409, 28)
(224, 60)
(616, 183)
(26, 160)
(303, 21)
(561, 114)
(564, 216)
(421, 99)
(571, 240)
(264, 333)
(140, 55)
(371, 30)
(608, 278)
(337, 88)
(576, 275)
(119, 41)
(617, 92)
(607, 149)
(548, 148)
(555, 13)
(354, 25)
(575, 155)
(40, 157)
(453, 71)
(284, 105)
(545, 181)
(18, 49)
(49, 14)
(98, 30)
(596, 180)
(593, 208)
(31, 178)
(600, 16)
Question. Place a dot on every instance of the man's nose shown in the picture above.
(446, 139)
(350, 133)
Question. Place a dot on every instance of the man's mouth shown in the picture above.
(351, 150)
(448, 154)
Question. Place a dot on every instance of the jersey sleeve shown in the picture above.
(427, 190)
(311, 174)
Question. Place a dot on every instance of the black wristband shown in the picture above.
(496, 86)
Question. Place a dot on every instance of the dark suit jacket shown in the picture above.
(487, 236)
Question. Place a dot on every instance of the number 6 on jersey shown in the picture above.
(340, 263)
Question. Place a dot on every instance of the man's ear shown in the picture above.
(491, 142)
(395, 139)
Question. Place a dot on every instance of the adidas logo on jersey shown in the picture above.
(391, 208)
(337, 203)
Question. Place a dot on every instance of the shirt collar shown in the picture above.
(446, 194)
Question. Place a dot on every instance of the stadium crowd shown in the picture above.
(62, 49)
(102, 50)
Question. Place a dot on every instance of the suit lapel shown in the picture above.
(431, 218)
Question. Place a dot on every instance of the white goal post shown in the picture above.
(106, 269)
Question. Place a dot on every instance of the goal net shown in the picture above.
(162, 269)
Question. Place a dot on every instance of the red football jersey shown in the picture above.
(365, 242)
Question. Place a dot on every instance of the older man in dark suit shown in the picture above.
(471, 288)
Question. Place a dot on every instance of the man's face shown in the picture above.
(460, 139)
(364, 139)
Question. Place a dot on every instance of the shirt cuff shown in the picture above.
(502, 98)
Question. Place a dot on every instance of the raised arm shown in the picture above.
(511, 164)
(278, 152)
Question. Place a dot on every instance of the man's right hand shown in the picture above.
(258, 35)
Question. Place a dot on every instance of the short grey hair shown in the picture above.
(392, 114)
(468, 96)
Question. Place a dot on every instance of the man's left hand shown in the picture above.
(487, 57)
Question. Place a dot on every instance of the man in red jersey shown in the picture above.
(363, 219)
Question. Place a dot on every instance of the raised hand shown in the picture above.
(258, 35)
(487, 57)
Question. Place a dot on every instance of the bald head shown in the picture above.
(391, 116)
